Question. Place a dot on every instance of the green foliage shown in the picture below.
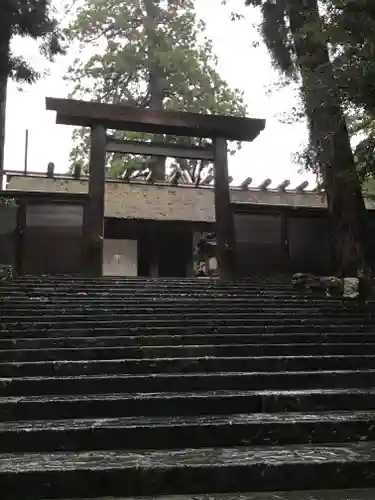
(26, 18)
(133, 45)
(353, 29)
(277, 37)
(348, 30)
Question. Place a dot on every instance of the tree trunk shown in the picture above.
(3, 98)
(4, 73)
(156, 78)
(330, 140)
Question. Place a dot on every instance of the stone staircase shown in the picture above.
(184, 389)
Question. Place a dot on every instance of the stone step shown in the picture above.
(151, 283)
(190, 298)
(186, 382)
(155, 289)
(35, 330)
(11, 289)
(149, 288)
(187, 471)
(127, 283)
(139, 364)
(194, 325)
(126, 305)
(48, 308)
(17, 354)
(265, 281)
(348, 494)
(176, 313)
(52, 340)
(186, 432)
(177, 319)
(180, 289)
(156, 307)
(186, 365)
(184, 404)
(104, 297)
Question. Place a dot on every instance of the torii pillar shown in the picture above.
(225, 236)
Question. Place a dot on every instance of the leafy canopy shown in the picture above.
(349, 33)
(130, 47)
(26, 18)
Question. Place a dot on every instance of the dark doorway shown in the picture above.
(170, 252)
(174, 255)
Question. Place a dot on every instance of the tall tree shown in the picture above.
(297, 39)
(352, 29)
(149, 53)
(25, 18)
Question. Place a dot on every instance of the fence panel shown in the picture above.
(52, 240)
(8, 236)
(309, 244)
(259, 244)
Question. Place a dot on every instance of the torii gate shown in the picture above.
(100, 117)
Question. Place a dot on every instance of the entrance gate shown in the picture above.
(100, 117)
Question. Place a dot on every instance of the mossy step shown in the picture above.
(186, 432)
(187, 471)
(52, 341)
(183, 403)
(179, 351)
(186, 365)
(106, 329)
(363, 494)
(186, 382)
(177, 315)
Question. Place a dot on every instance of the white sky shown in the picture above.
(269, 156)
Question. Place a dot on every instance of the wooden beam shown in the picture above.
(94, 220)
(283, 185)
(225, 236)
(301, 187)
(120, 117)
(264, 185)
(44, 196)
(207, 180)
(174, 178)
(159, 149)
(246, 183)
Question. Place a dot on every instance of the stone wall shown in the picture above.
(164, 202)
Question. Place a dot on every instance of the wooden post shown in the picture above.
(285, 240)
(94, 221)
(26, 151)
(225, 236)
(19, 236)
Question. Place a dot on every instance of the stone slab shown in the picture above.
(364, 494)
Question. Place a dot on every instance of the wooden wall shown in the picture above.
(43, 233)
(258, 243)
(8, 235)
(277, 240)
(52, 239)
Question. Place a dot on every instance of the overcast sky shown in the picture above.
(244, 67)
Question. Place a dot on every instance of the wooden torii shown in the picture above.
(100, 117)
